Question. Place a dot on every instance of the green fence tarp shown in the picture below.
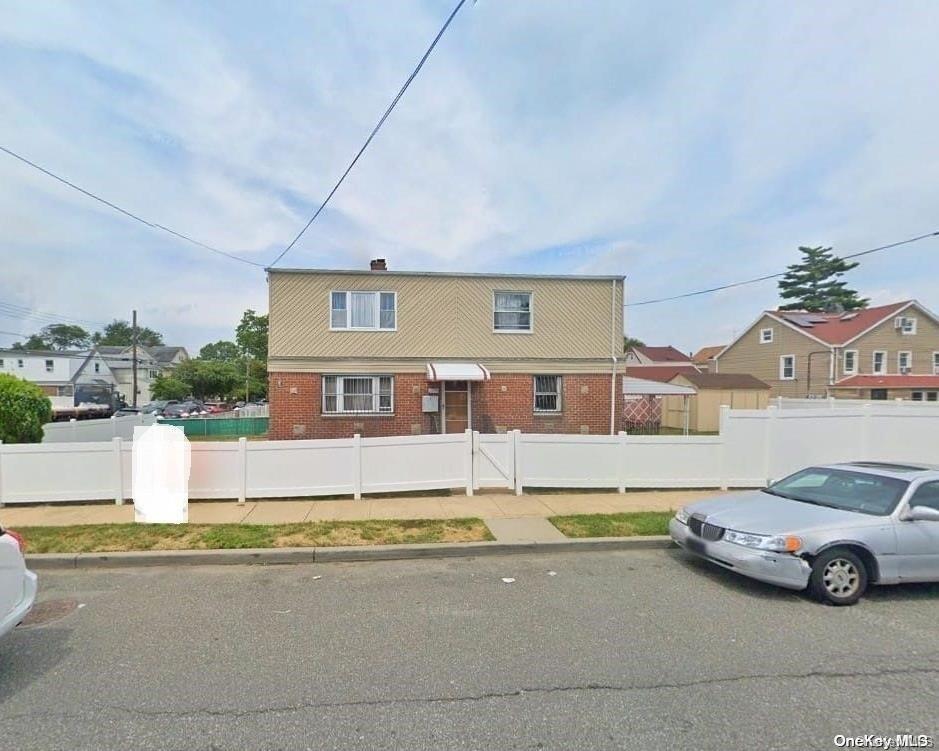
(227, 426)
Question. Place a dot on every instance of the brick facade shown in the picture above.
(503, 403)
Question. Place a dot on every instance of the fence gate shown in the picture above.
(493, 460)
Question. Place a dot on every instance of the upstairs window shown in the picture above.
(906, 324)
(904, 361)
(766, 336)
(935, 363)
(50, 366)
(547, 393)
(879, 363)
(511, 311)
(19, 363)
(850, 362)
(97, 367)
(787, 368)
(363, 311)
(358, 394)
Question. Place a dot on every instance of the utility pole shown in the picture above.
(247, 376)
(134, 356)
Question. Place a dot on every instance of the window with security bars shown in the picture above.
(358, 395)
(511, 311)
(547, 393)
(363, 311)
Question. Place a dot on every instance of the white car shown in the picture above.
(17, 583)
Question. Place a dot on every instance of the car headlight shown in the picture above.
(682, 516)
(776, 543)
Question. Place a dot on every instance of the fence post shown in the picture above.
(1, 474)
(768, 443)
(831, 402)
(724, 420)
(621, 461)
(118, 470)
(517, 452)
(357, 466)
(242, 469)
(113, 426)
(475, 460)
(468, 461)
(74, 423)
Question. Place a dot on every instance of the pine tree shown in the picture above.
(814, 283)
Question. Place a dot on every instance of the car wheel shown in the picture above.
(839, 577)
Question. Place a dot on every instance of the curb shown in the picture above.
(345, 554)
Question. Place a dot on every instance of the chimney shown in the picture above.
(378, 264)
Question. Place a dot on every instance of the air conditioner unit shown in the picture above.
(905, 371)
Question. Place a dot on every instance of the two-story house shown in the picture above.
(59, 373)
(379, 352)
(645, 356)
(885, 352)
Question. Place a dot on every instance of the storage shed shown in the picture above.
(712, 391)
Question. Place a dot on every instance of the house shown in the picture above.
(168, 357)
(650, 356)
(67, 374)
(884, 352)
(120, 360)
(703, 358)
(711, 392)
(383, 353)
(660, 373)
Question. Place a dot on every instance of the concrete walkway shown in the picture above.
(487, 506)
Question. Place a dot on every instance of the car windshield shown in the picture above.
(842, 489)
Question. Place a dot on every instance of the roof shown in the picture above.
(724, 380)
(663, 354)
(911, 381)
(839, 328)
(165, 354)
(47, 352)
(480, 274)
(706, 353)
(657, 388)
(660, 373)
(111, 349)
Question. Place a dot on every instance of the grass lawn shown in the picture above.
(109, 538)
(630, 524)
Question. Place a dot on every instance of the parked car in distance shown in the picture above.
(129, 411)
(216, 408)
(17, 583)
(190, 408)
(157, 407)
(833, 529)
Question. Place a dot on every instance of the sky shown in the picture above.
(682, 145)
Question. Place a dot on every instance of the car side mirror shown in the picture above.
(921, 514)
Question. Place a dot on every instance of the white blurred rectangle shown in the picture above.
(161, 463)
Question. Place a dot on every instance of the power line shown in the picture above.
(375, 130)
(18, 311)
(776, 275)
(125, 212)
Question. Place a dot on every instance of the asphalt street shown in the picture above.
(615, 650)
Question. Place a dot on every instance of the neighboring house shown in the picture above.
(660, 373)
(704, 357)
(120, 360)
(712, 391)
(860, 354)
(406, 353)
(168, 357)
(60, 373)
(651, 356)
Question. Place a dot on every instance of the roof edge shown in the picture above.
(477, 274)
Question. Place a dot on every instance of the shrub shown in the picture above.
(24, 409)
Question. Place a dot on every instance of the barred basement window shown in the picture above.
(358, 395)
(547, 393)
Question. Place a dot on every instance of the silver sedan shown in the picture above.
(834, 529)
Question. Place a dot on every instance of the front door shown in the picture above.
(456, 406)
(918, 542)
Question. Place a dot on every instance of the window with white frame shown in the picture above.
(907, 325)
(935, 363)
(904, 361)
(50, 366)
(766, 336)
(547, 393)
(97, 367)
(850, 362)
(787, 368)
(511, 311)
(19, 363)
(358, 394)
(879, 363)
(363, 311)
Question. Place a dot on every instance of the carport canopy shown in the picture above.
(636, 386)
(457, 371)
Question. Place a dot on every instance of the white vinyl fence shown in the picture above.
(785, 402)
(88, 431)
(753, 448)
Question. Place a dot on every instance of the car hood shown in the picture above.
(762, 513)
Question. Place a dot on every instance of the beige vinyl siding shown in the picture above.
(748, 355)
(887, 339)
(444, 317)
(704, 408)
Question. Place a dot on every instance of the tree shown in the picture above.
(121, 334)
(208, 378)
(169, 387)
(251, 335)
(24, 409)
(221, 350)
(629, 342)
(814, 283)
(57, 336)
